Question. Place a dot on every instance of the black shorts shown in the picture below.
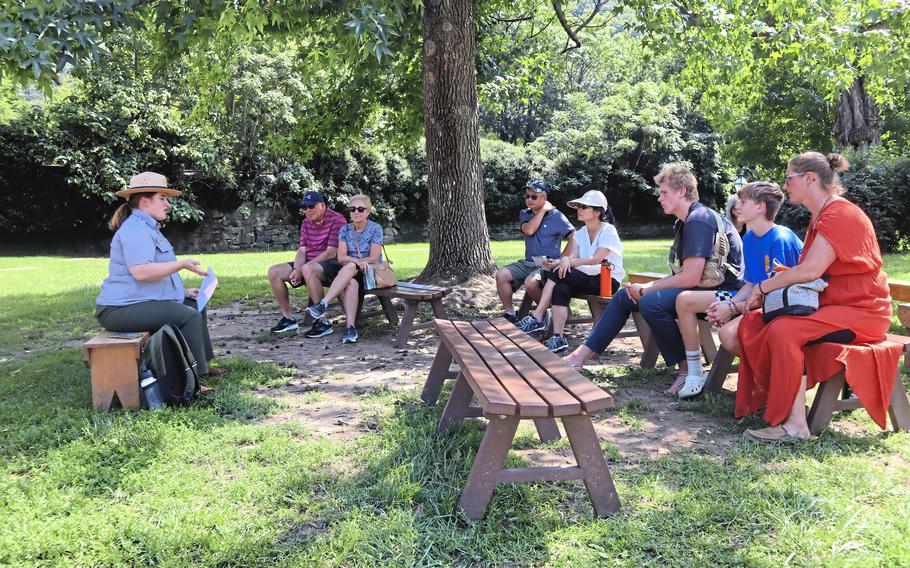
(330, 270)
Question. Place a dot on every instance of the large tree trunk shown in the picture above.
(459, 239)
(859, 121)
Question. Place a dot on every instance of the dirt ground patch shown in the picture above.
(330, 393)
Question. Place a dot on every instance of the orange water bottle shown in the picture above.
(606, 278)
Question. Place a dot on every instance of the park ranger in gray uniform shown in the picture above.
(144, 290)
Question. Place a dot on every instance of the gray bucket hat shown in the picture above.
(591, 198)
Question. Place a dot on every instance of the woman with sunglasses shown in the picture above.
(359, 245)
(855, 308)
(578, 270)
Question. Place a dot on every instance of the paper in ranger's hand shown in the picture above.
(206, 289)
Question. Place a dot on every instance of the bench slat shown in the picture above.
(492, 396)
(529, 402)
(592, 397)
(560, 401)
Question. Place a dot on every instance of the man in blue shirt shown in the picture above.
(543, 229)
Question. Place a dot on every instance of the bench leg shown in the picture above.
(458, 403)
(407, 320)
(438, 309)
(590, 459)
(439, 372)
(114, 371)
(899, 409)
(487, 464)
(720, 368)
(526, 304)
(649, 346)
(596, 310)
(547, 429)
(389, 308)
(823, 406)
(706, 338)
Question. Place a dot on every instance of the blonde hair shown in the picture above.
(125, 209)
(679, 176)
(766, 192)
(364, 198)
(825, 167)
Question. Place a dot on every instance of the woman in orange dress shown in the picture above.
(855, 308)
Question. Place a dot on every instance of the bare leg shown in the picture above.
(729, 336)
(560, 315)
(543, 299)
(796, 424)
(279, 275)
(351, 293)
(578, 357)
(533, 288)
(688, 306)
(347, 272)
(504, 289)
(312, 276)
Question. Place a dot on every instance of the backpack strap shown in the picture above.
(187, 361)
(721, 246)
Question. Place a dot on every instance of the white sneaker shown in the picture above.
(693, 387)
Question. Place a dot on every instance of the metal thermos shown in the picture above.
(151, 392)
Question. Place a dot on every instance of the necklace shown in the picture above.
(819, 214)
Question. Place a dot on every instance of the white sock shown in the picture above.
(693, 358)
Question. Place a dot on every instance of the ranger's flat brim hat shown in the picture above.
(148, 182)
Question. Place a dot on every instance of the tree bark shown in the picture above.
(459, 239)
(859, 121)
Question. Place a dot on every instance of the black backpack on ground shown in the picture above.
(169, 358)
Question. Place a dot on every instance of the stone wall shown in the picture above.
(225, 232)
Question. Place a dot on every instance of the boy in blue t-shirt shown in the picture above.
(765, 245)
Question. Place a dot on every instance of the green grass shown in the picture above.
(217, 484)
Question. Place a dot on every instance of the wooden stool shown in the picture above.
(115, 369)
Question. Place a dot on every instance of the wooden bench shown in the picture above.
(411, 295)
(832, 397)
(114, 363)
(516, 378)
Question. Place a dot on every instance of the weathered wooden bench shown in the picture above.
(411, 295)
(832, 397)
(515, 378)
(114, 363)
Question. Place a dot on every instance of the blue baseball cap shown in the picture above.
(539, 186)
(312, 198)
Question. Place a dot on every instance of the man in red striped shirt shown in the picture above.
(315, 264)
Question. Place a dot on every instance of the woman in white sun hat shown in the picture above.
(578, 270)
(144, 290)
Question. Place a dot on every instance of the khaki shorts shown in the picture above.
(520, 271)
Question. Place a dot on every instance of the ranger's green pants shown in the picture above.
(150, 316)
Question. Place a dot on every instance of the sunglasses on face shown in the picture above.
(583, 206)
(309, 207)
(532, 197)
(788, 177)
(357, 209)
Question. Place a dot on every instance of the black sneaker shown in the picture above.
(320, 328)
(511, 317)
(285, 325)
(350, 336)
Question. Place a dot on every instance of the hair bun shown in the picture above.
(838, 162)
